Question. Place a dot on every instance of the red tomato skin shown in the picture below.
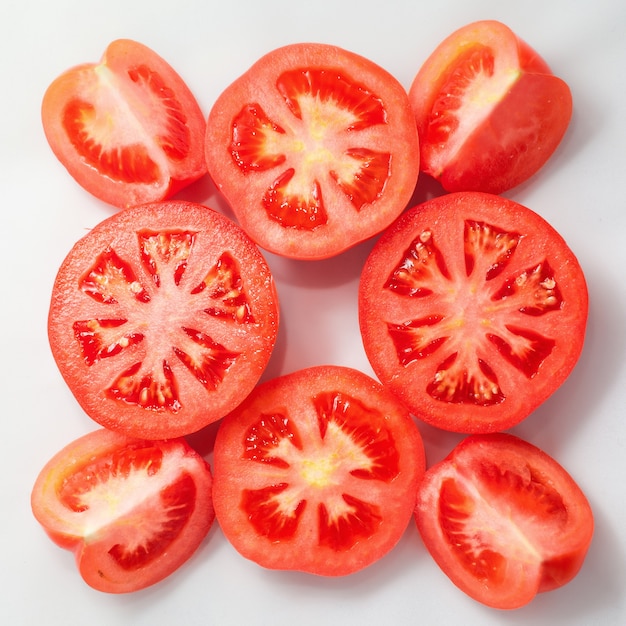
(516, 129)
(236, 473)
(187, 307)
(156, 145)
(551, 504)
(346, 226)
(462, 310)
(93, 546)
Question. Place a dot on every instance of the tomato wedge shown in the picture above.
(489, 110)
(128, 128)
(317, 471)
(132, 511)
(473, 311)
(315, 149)
(503, 520)
(162, 319)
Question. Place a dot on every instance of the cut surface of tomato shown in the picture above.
(315, 149)
(503, 520)
(473, 311)
(489, 110)
(132, 511)
(162, 318)
(128, 128)
(317, 471)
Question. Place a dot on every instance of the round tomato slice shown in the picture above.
(503, 520)
(315, 149)
(489, 111)
(317, 471)
(162, 319)
(133, 511)
(128, 129)
(472, 310)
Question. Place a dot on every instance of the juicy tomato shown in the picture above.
(315, 148)
(503, 520)
(489, 110)
(472, 310)
(128, 129)
(132, 511)
(317, 471)
(163, 317)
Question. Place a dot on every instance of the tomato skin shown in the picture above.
(317, 471)
(162, 318)
(127, 129)
(503, 520)
(473, 311)
(315, 149)
(150, 482)
(489, 111)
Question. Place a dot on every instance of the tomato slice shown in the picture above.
(163, 317)
(473, 310)
(133, 511)
(317, 471)
(128, 128)
(315, 149)
(489, 110)
(503, 520)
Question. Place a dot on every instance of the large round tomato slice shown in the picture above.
(503, 520)
(489, 111)
(315, 148)
(131, 510)
(128, 128)
(473, 311)
(163, 317)
(317, 471)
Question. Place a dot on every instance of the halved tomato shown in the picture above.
(132, 511)
(317, 471)
(128, 128)
(489, 110)
(503, 520)
(315, 149)
(162, 319)
(472, 310)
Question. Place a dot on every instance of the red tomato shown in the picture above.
(163, 317)
(503, 520)
(131, 510)
(128, 129)
(315, 148)
(317, 471)
(472, 310)
(489, 111)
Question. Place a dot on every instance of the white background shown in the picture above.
(580, 191)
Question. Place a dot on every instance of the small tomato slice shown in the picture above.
(473, 311)
(162, 318)
(317, 471)
(132, 511)
(503, 520)
(315, 149)
(489, 111)
(128, 128)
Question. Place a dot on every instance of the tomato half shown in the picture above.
(317, 471)
(162, 319)
(503, 520)
(128, 128)
(315, 149)
(489, 110)
(472, 310)
(132, 511)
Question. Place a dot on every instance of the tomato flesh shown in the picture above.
(132, 511)
(317, 471)
(503, 520)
